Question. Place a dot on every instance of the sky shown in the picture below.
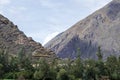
(44, 19)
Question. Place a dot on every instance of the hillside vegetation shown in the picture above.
(22, 67)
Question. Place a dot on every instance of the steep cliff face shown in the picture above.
(12, 39)
(102, 28)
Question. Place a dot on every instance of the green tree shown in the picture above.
(24, 61)
(53, 69)
(13, 64)
(21, 57)
(89, 72)
(42, 69)
(78, 66)
(1, 70)
(38, 75)
(112, 64)
(99, 53)
(4, 60)
(27, 74)
(10, 75)
(62, 75)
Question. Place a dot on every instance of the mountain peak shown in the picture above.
(13, 39)
(116, 0)
(113, 9)
(102, 28)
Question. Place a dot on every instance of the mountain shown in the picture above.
(12, 40)
(102, 28)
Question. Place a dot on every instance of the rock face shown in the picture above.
(101, 28)
(12, 39)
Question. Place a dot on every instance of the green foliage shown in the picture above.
(78, 68)
(1, 70)
(62, 75)
(113, 66)
(38, 75)
(10, 75)
(115, 76)
(78, 53)
(21, 67)
(25, 74)
(13, 64)
(99, 53)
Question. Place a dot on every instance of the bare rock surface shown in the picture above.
(102, 28)
(12, 39)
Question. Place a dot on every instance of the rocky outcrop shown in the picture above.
(101, 28)
(12, 39)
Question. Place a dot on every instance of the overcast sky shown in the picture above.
(44, 19)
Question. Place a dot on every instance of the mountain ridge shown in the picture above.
(95, 30)
(13, 40)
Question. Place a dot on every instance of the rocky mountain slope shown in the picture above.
(12, 39)
(102, 28)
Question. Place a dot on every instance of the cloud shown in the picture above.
(33, 34)
(92, 4)
(17, 10)
(49, 3)
(38, 36)
(47, 16)
(1, 12)
(4, 2)
(7, 7)
(49, 37)
(96, 4)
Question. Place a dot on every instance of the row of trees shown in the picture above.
(22, 67)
